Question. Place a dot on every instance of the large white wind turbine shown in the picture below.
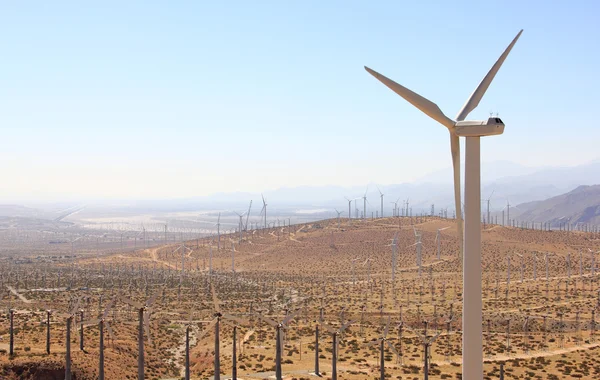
(472, 314)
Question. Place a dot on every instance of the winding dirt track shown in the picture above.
(14, 291)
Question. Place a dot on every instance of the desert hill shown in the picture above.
(581, 205)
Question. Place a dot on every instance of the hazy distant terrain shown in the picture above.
(581, 205)
(520, 185)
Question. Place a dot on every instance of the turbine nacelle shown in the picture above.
(472, 128)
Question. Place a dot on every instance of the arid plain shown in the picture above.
(540, 293)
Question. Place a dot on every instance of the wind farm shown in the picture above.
(386, 306)
(206, 191)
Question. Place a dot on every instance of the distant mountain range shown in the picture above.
(505, 181)
(581, 205)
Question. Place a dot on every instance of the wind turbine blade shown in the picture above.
(268, 320)
(91, 322)
(290, 317)
(372, 343)
(239, 321)
(110, 330)
(423, 338)
(215, 299)
(391, 347)
(108, 307)
(76, 306)
(207, 329)
(328, 328)
(147, 327)
(387, 328)
(152, 299)
(130, 302)
(433, 338)
(345, 326)
(455, 149)
(476, 96)
(425, 105)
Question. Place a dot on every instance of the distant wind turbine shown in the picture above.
(264, 210)
(364, 197)
(381, 195)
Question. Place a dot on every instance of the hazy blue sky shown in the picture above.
(165, 99)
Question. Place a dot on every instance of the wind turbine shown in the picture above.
(241, 223)
(334, 350)
(419, 245)
(394, 257)
(396, 213)
(350, 207)
(69, 318)
(438, 238)
(473, 131)
(248, 216)
(368, 261)
(488, 221)
(353, 271)
(188, 327)
(102, 321)
(338, 216)
(364, 197)
(264, 210)
(381, 196)
(219, 232)
(143, 323)
(183, 249)
(216, 322)
(48, 311)
(382, 341)
(279, 339)
(427, 342)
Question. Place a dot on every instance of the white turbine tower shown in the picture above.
(473, 130)
(349, 206)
